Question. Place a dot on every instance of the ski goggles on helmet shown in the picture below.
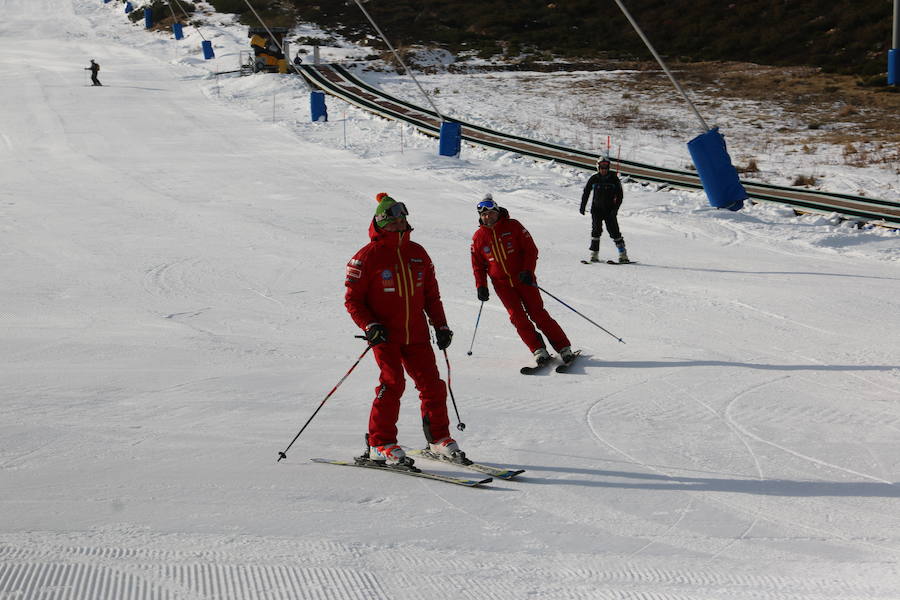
(395, 211)
(486, 205)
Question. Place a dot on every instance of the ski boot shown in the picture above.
(541, 356)
(447, 449)
(386, 455)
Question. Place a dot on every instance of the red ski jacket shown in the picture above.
(391, 281)
(502, 251)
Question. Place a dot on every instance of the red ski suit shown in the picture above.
(502, 252)
(391, 281)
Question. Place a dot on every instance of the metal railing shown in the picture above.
(338, 81)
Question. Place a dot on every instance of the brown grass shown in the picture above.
(795, 105)
(750, 167)
(823, 99)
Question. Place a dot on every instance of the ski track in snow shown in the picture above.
(742, 433)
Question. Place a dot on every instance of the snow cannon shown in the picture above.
(268, 56)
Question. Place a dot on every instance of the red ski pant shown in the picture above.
(419, 362)
(524, 305)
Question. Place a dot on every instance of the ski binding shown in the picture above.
(532, 369)
(565, 366)
(498, 472)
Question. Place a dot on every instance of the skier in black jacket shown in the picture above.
(607, 198)
(94, 69)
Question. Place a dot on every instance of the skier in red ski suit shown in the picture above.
(503, 249)
(391, 287)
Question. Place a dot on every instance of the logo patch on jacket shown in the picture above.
(353, 272)
(387, 281)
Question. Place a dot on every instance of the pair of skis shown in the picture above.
(564, 367)
(609, 262)
(413, 471)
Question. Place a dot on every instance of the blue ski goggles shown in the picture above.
(486, 205)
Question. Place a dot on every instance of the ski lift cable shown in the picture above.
(186, 16)
(400, 60)
(277, 43)
(662, 64)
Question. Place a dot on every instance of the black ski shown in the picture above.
(531, 370)
(404, 470)
(565, 366)
(609, 262)
(498, 472)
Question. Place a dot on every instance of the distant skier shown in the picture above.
(94, 69)
(391, 287)
(503, 249)
(607, 193)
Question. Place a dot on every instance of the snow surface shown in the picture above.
(171, 308)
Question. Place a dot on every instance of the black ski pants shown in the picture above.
(612, 227)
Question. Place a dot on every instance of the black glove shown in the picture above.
(444, 337)
(526, 277)
(581, 210)
(376, 334)
(483, 293)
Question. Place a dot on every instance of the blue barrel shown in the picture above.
(178, 31)
(317, 109)
(207, 50)
(128, 7)
(451, 138)
(893, 66)
(148, 18)
(720, 179)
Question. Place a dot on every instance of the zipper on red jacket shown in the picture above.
(501, 255)
(406, 288)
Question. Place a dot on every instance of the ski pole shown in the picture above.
(579, 314)
(283, 453)
(478, 320)
(460, 425)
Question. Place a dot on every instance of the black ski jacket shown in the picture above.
(607, 192)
